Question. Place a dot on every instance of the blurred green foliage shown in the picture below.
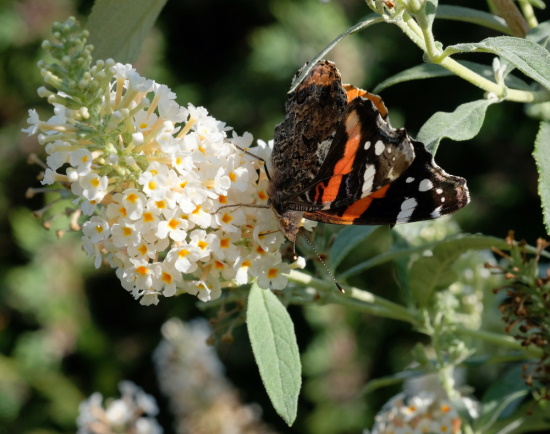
(68, 330)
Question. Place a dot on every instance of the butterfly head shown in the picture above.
(289, 222)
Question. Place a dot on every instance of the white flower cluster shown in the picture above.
(191, 377)
(422, 412)
(150, 175)
(134, 412)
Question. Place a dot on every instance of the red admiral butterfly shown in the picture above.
(336, 159)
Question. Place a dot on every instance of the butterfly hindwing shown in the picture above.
(423, 192)
(366, 154)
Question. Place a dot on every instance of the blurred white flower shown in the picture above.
(134, 412)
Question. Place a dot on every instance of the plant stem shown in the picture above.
(499, 340)
(358, 299)
(374, 305)
(409, 26)
(420, 33)
(528, 13)
(489, 86)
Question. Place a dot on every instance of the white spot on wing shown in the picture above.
(436, 213)
(379, 147)
(425, 185)
(409, 180)
(407, 208)
(368, 179)
(439, 190)
(367, 145)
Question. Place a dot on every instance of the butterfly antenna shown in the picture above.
(264, 164)
(322, 262)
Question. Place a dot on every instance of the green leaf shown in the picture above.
(540, 34)
(501, 399)
(462, 124)
(391, 380)
(398, 254)
(348, 238)
(431, 273)
(273, 340)
(542, 157)
(527, 56)
(530, 417)
(459, 13)
(538, 4)
(432, 70)
(430, 9)
(401, 266)
(118, 27)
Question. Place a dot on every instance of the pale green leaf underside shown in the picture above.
(527, 56)
(462, 124)
(459, 13)
(542, 157)
(430, 273)
(273, 340)
(348, 238)
(504, 395)
(540, 34)
(118, 27)
(432, 70)
(430, 9)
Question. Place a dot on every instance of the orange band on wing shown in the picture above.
(345, 164)
(357, 208)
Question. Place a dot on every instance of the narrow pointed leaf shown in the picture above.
(119, 27)
(527, 56)
(430, 9)
(540, 34)
(462, 124)
(502, 398)
(431, 273)
(369, 20)
(459, 13)
(273, 340)
(432, 70)
(542, 157)
(347, 240)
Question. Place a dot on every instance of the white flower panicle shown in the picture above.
(423, 412)
(191, 376)
(149, 176)
(134, 412)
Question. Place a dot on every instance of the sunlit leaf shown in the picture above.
(542, 157)
(502, 398)
(118, 27)
(431, 273)
(349, 238)
(459, 13)
(462, 124)
(527, 56)
(432, 70)
(273, 340)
